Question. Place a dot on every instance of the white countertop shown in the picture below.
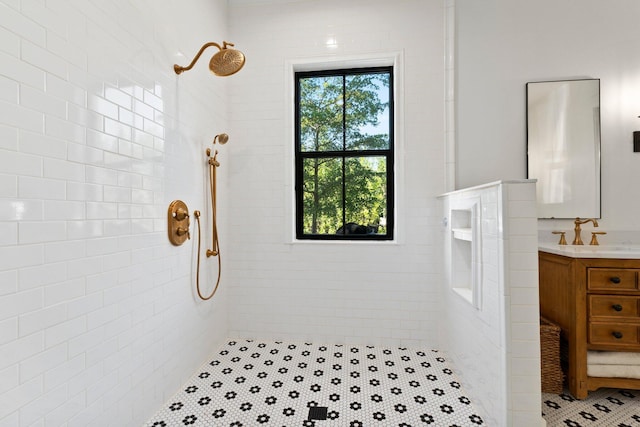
(587, 251)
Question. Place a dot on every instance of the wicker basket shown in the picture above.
(551, 371)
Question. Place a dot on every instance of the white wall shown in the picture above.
(98, 319)
(502, 44)
(362, 293)
(495, 345)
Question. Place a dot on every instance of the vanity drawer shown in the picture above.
(613, 334)
(610, 279)
(614, 306)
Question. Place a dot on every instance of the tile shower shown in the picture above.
(99, 324)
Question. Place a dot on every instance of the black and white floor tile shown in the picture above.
(255, 383)
(602, 408)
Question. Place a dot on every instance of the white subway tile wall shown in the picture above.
(99, 324)
(497, 348)
(373, 293)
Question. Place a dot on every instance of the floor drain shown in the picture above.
(317, 413)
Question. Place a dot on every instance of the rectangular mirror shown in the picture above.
(563, 147)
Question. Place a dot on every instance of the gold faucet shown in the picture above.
(577, 229)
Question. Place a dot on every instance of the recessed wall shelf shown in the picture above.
(462, 234)
(465, 250)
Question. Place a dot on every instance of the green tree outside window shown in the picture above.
(344, 154)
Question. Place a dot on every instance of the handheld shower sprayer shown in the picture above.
(213, 164)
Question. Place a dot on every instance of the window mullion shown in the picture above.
(344, 148)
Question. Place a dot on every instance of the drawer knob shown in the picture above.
(617, 334)
(615, 279)
(617, 307)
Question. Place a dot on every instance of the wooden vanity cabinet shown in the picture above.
(596, 303)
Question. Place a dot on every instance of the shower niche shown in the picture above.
(465, 250)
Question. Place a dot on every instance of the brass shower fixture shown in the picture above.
(213, 164)
(223, 63)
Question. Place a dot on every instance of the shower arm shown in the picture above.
(179, 69)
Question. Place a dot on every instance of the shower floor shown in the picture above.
(253, 383)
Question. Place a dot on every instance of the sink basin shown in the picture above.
(588, 251)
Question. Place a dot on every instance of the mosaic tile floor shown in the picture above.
(602, 408)
(253, 383)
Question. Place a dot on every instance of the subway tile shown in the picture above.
(19, 396)
(116, 261)
(63, 210)
(8, 186)
(114, 295)
(61, 373)
(84, 229)
(64, 291)
(117, 129)
(41, 188)
(102, 106)
(8, 138)
(101, 351)
(65, 90)
(72, 406)
(8, 330)
(65, 130)
(102, 141)
(20, 349)
(20, 164)
(117, 162)
(42, 145)
(84, 342)
(41, 362)
(522, 208)
(11, 420)
(61, 333)
(101, 317)
(8, 233)
(102, 210)
(38, 100)
(12, 257)
(21, 71)
(38, 408)
(101, 281)
(84, 266)
(40, 232)
(523, 260)
(22, 25)
(102, 246)
(128, 180)
(8, 282)
(118, 97)
(9, 378)
(9, 42)
(33, 277)
(100, 175)
(64, 251)
(8, 90)
(153, 128)
(143, 138)
(43, 59)
(63, 46)
(523, 226)
(84, 191)
(82, 116)
(84, 154)
(117, 227)
(41, 319)
(153, 101)
(62, 169)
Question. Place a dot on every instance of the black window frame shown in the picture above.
(388, 154)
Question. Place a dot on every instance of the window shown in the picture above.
(344, 154)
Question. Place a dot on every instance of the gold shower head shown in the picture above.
(223, 63)
(221, 139)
